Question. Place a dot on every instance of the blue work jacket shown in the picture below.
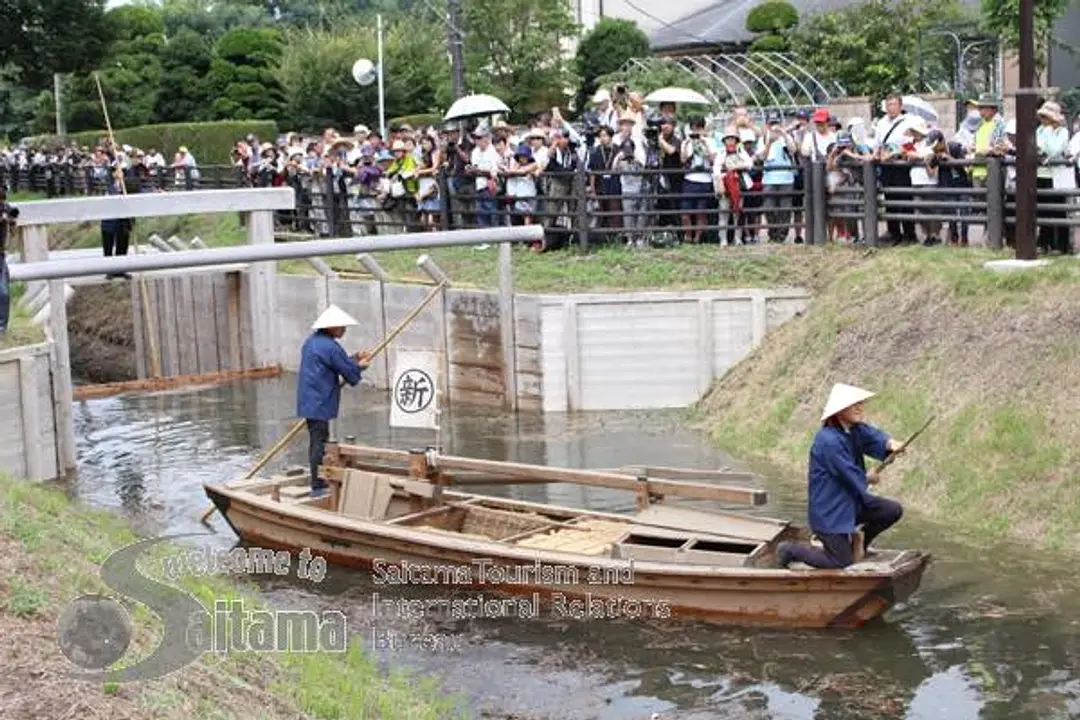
(318, 391)
(837, 475)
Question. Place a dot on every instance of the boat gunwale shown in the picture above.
(468, 545)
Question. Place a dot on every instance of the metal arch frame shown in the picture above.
(749, 70)
(647, 63)
(713, 61)
(758, 60)
(720, 59)
(768, 57)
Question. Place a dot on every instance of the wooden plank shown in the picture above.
(30, 403)
(170, 354)
(193, 202)
(698, 491)
(13, 436)
(235, 321)
(246, 338)
(668, 473)
(138, 328)
(685, 519)
(506, 324)
(187, 345)
(219, 285)
(86, 392)
(202, 302)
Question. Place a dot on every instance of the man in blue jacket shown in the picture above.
(839, 498)
(318, 390)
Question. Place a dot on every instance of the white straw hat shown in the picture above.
(333, 317)
(842, 397)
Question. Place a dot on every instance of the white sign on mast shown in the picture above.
(414, 400)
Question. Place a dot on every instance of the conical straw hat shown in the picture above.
(842, 397)
(333, 317)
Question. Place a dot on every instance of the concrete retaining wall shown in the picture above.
(28, 440)
(576, 352)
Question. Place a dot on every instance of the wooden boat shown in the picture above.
(392, 511)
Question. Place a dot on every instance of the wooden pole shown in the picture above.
(299, 424)
(1026, 202)
(155, 358)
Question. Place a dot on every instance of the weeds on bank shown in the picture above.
(933, 333)
(62, 546)
(20, 331)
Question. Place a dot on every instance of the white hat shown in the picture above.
(601, 95)
(842, 397)
(333, 317)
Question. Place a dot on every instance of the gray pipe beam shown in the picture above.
(81, 267)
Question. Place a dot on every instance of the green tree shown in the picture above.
(185, 60)
(514, 50)
(41, 37)
(1002, 18)
(873, 48)
(210, 18)
(130, 73)
(771, 21)
(605, 49)
(242, 79)
(315, 73)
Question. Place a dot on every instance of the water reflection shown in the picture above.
(988, 636)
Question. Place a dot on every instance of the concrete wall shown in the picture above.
(577, 352)
(28, 442)
(650, 350)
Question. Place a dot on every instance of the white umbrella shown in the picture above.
(475, 106)
(915, 105)
(677, 95)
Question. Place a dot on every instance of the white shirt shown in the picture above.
(486, 161)
(884, 125)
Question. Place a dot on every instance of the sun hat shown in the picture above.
(333, 317)
(821, 115)
(1051, 110)
(842, 397)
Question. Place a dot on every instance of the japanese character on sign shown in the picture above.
(414, 391)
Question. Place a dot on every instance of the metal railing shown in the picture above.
(863, 200)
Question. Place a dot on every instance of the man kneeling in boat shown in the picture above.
(839, 498)
(318, 391)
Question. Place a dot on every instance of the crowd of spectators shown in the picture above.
(644, 174)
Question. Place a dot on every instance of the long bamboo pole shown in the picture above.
(118, 174)
(299, 424)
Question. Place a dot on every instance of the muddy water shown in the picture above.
(987, 636)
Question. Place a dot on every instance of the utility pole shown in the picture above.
(58, 100)
(1025, 137)
(457, 59)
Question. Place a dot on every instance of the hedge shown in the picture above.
(209, 142)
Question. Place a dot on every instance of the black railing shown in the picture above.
(826, 202)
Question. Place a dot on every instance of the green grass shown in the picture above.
(991, 355)
(617, 268)
(59, 548)
(20, 331)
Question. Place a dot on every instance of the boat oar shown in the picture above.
(299, 424)
(875, 472)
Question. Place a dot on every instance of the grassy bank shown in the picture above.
(991, 355)
(51, 551)
(687, 267)
(20, 331)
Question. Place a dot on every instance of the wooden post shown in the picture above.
(261, 297)
(418, 465)
(65, 426)
(506, 325)
(642, 493)
(332, 457)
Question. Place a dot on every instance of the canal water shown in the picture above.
(992, 632)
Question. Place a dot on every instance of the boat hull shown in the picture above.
(577, 586)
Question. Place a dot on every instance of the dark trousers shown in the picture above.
(318, 434)
(1052, 237)
(836, 551)
(115, 241)
(898, 177)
